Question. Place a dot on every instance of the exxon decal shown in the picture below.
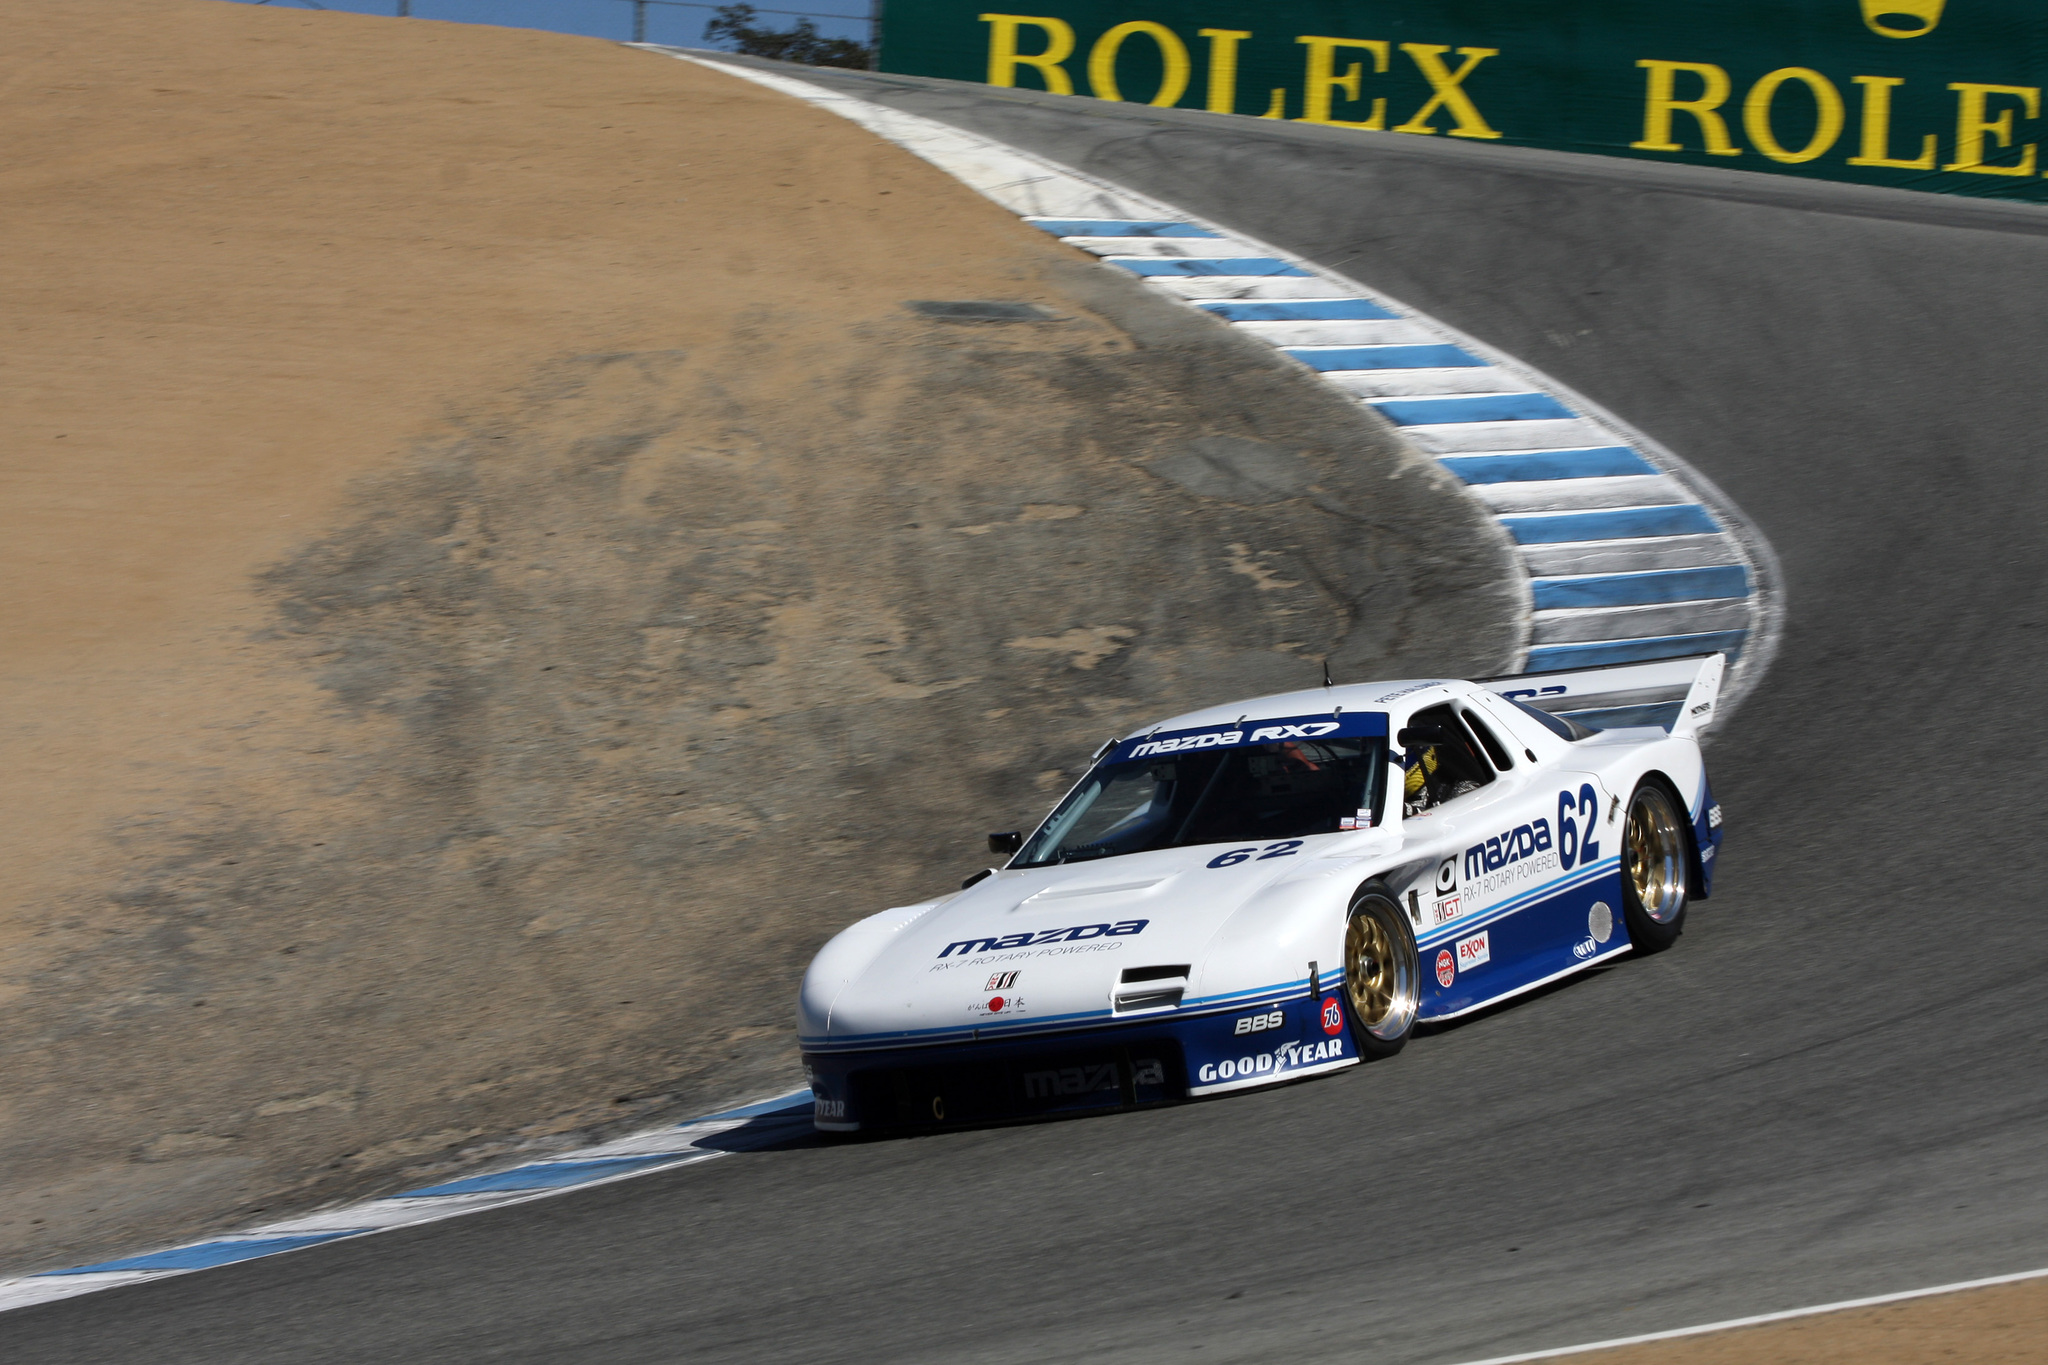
(1276, 730)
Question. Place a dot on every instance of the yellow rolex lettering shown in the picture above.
(1222, 67)
(1004, 59)
(1447, 89)
(1321, 82)
(1756, 114)
(1877, 128)
(1278, 108)
(1660, 102)
(1173, 56)
(1972, 125)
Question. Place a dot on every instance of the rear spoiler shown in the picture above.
(1679, 695)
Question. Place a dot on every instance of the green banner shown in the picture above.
(1938, 95)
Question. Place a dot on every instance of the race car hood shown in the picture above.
(1045, 948)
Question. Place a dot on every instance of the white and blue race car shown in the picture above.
(1274, 889)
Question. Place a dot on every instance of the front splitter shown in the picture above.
(1155, 1060)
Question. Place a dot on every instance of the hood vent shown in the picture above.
(1060, 893)
(1151, 988)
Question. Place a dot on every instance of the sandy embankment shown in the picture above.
(494, 575)
(2002, 1325)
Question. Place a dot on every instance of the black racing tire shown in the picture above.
(1656, 849)
(1382, 974)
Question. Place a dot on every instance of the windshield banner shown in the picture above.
(1917, 94)
(1246, 733)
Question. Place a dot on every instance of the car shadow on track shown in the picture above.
(784, 1130)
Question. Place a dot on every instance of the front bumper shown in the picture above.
(1130, 1064)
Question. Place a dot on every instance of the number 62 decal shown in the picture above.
(1586, 805)
(1283, 849)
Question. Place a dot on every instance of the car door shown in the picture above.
(1490, 928)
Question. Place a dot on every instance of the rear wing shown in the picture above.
(1679, 695)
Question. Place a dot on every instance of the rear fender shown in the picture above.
(1699, 879)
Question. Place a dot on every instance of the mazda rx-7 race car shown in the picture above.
(1274, 889)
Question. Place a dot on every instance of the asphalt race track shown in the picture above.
(1832, 1087)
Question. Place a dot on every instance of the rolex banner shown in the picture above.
(1920, 94)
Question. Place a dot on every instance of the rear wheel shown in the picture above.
(1653, 862)
(1382, 974)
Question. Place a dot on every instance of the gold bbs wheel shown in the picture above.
(1381, 973)
(1653, 868)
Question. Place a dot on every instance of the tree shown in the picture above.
(735, 24)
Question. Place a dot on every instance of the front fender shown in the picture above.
(849, 953)
(1263, 950)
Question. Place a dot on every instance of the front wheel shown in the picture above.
(1382, 974)
(1653, 863)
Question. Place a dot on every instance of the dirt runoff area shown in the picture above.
(496, 574)
(1999, 1325)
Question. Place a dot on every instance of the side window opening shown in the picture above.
(1494, 749)
(1442, 760)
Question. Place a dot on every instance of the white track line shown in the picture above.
(1760, 1319)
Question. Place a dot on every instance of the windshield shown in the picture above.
(1229, 791)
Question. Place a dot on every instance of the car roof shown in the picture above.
(1310, 701)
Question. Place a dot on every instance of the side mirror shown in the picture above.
(1006, 843)
(1407, 739)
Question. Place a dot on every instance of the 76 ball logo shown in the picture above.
(1333, 1015)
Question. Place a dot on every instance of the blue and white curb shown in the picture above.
(750, 1127)
(1630, 554)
